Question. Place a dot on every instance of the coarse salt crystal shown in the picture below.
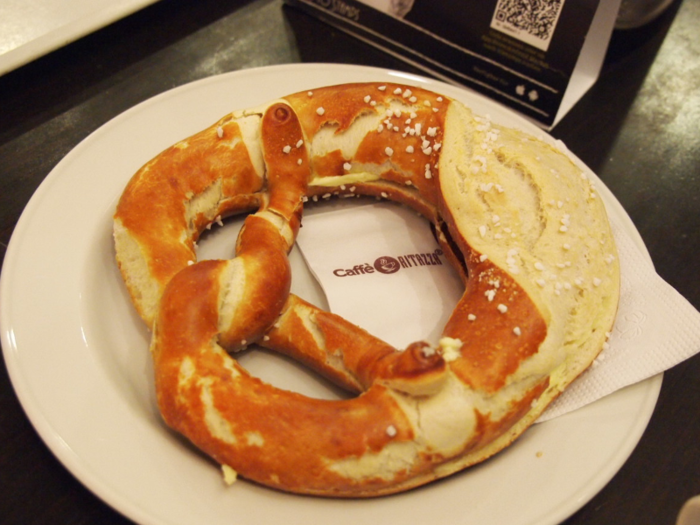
(428, 351)
(471, 317)
(517, 331)
(320, 111)
(502, 308)
(230, 475)
(287, 149)
(389, 151)
(220, 132)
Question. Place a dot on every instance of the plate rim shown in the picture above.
(40, 421)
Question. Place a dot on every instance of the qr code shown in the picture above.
(530, 21)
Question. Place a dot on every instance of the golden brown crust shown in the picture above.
(511, 213)
(154, 205)
(485, 365)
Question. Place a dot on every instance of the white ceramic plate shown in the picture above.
(32, 28)
(78, 355)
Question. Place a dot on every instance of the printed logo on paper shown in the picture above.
(387, 264)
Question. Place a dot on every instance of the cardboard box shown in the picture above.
(537, 57)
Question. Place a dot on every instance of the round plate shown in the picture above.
(78, 355)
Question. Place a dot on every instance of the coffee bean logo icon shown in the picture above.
(387, 264)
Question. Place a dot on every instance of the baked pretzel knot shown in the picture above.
(520, 222)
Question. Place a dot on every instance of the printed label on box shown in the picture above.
(526, 24)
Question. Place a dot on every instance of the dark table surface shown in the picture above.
(636, 128)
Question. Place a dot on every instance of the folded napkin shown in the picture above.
(381, 268)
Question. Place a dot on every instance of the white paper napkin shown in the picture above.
(350, 251)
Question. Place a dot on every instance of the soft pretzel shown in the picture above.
(520, 222)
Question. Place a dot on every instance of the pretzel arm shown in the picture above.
(348, 355)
